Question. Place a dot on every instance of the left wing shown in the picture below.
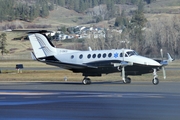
(51, 60)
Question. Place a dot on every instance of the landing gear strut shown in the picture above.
(155, 80)
(86, 81)
(127, 80)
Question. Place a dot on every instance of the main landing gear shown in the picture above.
(127, 80)
(155, 80)
(86, 81)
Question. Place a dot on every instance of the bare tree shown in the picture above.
(163, 33)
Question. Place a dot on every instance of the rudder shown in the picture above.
(41, 46)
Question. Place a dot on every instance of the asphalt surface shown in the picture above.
(100, 100)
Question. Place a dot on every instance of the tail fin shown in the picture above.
(42, 47)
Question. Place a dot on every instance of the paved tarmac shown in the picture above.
(98, 101)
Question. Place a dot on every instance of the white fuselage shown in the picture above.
(82, 57)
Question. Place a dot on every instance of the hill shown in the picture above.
(61, 16)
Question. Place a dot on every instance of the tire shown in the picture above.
(85, 81)
(155, 81)
(128, 80)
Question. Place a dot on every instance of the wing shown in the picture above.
(51, 60)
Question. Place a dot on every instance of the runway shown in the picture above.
(100, 100)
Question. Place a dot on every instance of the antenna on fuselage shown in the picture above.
(90, 49)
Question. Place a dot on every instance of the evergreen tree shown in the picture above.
(3, 43)
(76, 5)
(121, 21)
(61, 3)
(82, 4)
(45, 10)
(138, 22)
(94, 3)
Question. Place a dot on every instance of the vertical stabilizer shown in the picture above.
(41, 46)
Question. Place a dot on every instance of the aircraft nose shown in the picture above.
(151, 62)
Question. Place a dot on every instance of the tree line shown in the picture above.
(29, 10)
(24, 10)
(146, 37)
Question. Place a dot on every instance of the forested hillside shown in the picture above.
(143, 25)
(28, 10)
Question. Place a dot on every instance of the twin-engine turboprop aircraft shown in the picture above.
(96, 62)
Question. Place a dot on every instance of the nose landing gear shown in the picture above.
(155, 80)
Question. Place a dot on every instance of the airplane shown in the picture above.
(96, 62)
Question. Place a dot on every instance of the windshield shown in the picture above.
(130, 53)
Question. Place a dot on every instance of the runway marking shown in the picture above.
(33, 94)
(114, 95)
(33, 97)
(28, 93)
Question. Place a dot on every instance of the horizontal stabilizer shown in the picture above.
(170, 59)
(33, 56)
(31, 31)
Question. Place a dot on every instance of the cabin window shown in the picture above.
(89, 56)
(81, 56)
(94, 56)
(121, 55)
(110, 54)
(72, 56)
(104, 55)
(99, 55)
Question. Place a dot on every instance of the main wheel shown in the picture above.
(86, 81)
(155, 81)
(89, 81)
(128, 80)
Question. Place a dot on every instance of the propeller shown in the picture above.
(163, 63)
(123, 66)
(161, 51)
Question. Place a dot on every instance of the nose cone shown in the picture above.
(151, 62)
(144, 61)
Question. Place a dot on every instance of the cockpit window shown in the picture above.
(130, 53)
(121, 55)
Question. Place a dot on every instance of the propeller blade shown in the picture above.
(123, 74)
(123, 54)
(164, 72)
(161, 51)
